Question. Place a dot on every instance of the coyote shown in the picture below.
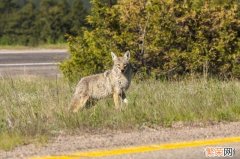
(112, 82)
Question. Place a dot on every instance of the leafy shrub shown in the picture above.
(166, 38)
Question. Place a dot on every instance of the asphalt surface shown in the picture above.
(185, 153)
(40, 62)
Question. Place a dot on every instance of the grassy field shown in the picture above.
(43, 46)
(35, 109)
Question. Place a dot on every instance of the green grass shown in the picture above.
(42, 46)
(36, 107)
(9, 141)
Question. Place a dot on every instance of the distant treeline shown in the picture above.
(33, 22)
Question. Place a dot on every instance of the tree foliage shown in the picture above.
(33, 22)
(167, 38)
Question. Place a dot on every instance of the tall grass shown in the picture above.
(38, 106)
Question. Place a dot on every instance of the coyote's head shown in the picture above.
(121, 64)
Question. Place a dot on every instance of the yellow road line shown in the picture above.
(140, 149)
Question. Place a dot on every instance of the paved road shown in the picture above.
(198, 149)
(184, 153)
(31, 62)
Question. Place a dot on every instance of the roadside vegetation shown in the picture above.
(33, 109)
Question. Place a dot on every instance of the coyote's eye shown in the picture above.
(118, 65)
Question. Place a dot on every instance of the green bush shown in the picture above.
(166, 38)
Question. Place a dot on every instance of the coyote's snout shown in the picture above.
(112, 82)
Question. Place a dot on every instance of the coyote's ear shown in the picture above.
(114, 57)
(127, 55)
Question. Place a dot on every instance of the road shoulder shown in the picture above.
(83, 141)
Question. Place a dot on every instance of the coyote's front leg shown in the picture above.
(124, 98)
(116, 99)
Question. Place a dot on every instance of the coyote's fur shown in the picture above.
(112, 82)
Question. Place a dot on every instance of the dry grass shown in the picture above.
(39, 107)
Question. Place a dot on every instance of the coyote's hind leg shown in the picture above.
(78, 103)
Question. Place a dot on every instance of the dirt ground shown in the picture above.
(64, 144)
